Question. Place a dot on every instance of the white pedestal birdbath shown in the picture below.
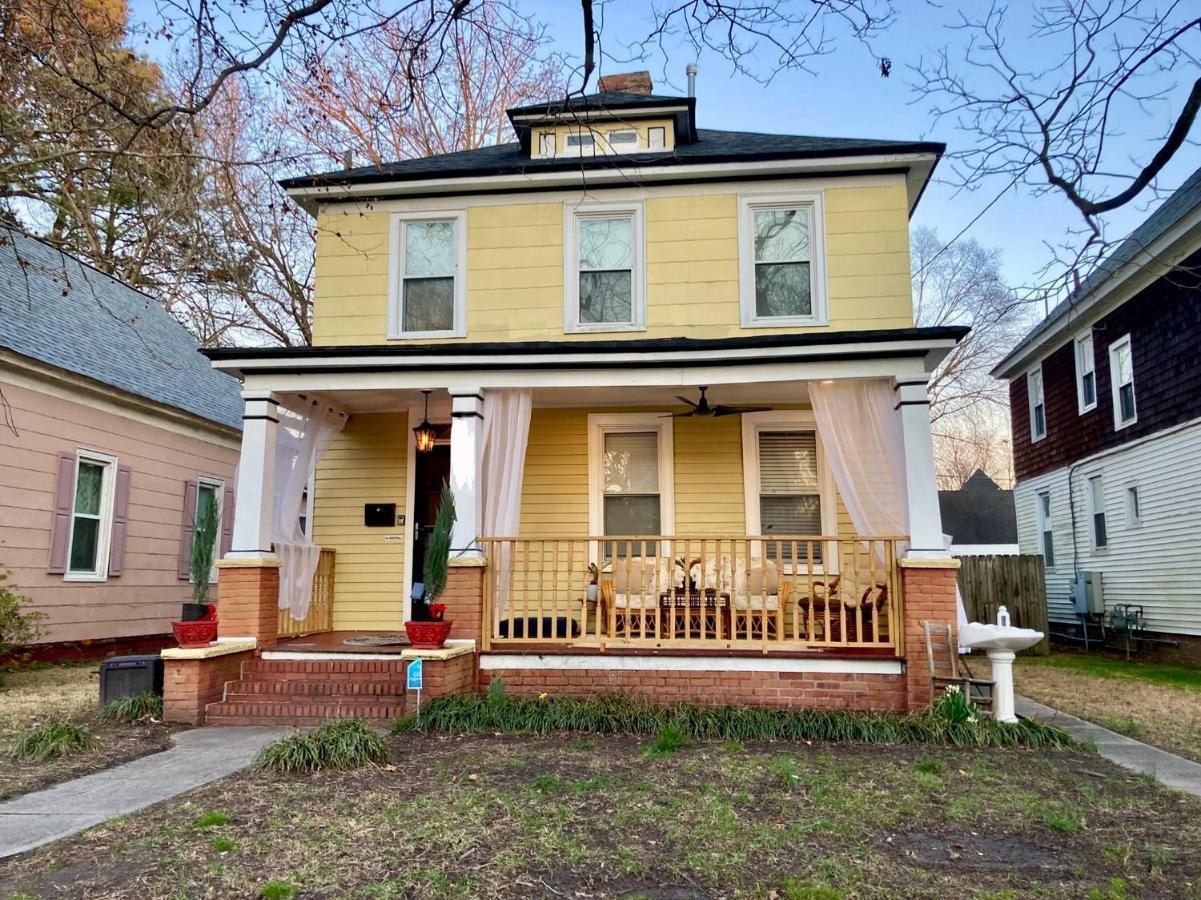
(1001, 642)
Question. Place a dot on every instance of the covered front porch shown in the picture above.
(787, 517)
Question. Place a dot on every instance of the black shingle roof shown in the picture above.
(600, 101)
(979, 512)
(711, 146)
(59, 311)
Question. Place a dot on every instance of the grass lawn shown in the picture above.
(1158, 704)
(574, 816)
(33, 696)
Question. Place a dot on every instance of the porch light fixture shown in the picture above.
(425, 432)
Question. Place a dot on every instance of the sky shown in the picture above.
(847, 97)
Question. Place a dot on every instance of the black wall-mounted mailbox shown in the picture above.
(379, 515)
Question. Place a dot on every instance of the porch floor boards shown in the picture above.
(335, 642)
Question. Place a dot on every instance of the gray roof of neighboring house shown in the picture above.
(979, 512)
(60, 311)
(711, 146)
(1183, 200)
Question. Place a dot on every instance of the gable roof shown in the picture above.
(62, 312)
(979, 512)
(1184, 200)
(711, 146)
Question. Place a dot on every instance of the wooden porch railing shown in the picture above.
(321, 607)
(704, 592)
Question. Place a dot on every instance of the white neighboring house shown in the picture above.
(1105, 400)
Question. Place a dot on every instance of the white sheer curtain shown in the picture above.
(860, 430)
(506, 436)
(305, 433)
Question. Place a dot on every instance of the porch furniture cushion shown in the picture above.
(758, 604)
(645, 575)
(550, 626)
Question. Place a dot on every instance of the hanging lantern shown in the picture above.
(425, 432)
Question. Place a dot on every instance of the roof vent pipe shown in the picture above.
(691, 72)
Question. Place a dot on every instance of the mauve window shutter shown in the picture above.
(116, 547)
(227, 521)
(60, 528)
(187, 528)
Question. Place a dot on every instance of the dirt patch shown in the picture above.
(1163, 715)
(575, 816)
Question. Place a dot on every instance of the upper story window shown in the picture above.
(581, 143)
(656, 138)
(781, 256)
(623, 140)
(1086, 376)
(604, 269)
(1121, 377)
(1038, 406)
(546, 143)
(428, 289)
(91, 517)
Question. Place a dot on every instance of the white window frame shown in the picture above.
(544, 138)
(600, 424)
(572, 216)
(582, 149)
(623, 148)
(1133, 499)
(1115, 388)
(1045, 522)
(397, 225)
(218, 485)
(747, 205)
(659, 132)
(1078, 350)
(786, 420)
(1036, 372)
(104, 533)
(1093, 511)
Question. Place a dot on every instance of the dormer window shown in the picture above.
(656, 138)
(546, 144)
(581, 143)
(624, 141)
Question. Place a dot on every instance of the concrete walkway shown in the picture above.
(198, 757)
(1168, 768)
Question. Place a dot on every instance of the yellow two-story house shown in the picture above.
(673, 379)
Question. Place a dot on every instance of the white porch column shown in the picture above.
(921, 483)
(466, 467)
(253, 505)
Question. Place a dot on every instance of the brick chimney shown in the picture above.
(629, 82)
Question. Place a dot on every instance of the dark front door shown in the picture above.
(433, 469)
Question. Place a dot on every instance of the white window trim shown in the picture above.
(747, 204)
(572, 214)
(785, 420)
(1077, 343)
(1092, 511)
(1133, 520)
(542, 141)
(1118, 424)
(108, 485)
(1045, 523)
(1042, 389)
(209, 481)
(600, 424)
(396, 272)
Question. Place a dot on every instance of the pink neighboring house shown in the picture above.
(114, 432)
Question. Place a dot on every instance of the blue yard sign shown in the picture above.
(414, 675)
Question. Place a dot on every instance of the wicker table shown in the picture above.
(691, 613)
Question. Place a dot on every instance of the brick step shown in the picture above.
(303, 712)
(361, 691)
(333, 670)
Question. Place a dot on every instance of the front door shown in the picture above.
(433, 469)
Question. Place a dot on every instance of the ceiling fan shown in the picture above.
(702, 408)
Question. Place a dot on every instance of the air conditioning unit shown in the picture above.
(1087, 594)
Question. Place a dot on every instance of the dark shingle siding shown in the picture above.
(711, 146)
(61, 312)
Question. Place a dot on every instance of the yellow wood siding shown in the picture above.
(366, 464)
(515, 268)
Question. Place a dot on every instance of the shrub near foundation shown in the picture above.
(340, 744)
(52, 740)
(619, 714)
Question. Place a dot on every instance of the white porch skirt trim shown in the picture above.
(492, 661)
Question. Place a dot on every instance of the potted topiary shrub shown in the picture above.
(201, 632)
(432, 635)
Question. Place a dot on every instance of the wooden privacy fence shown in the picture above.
(1015, 582)
(321, 607)
(767, 592)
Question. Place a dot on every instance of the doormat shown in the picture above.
(377, 640)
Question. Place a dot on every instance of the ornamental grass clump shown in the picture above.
(619, 714)
(340, 744)
(53, 740)
(132, 709)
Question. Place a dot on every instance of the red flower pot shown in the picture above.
(193, 635)
(428, 635)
